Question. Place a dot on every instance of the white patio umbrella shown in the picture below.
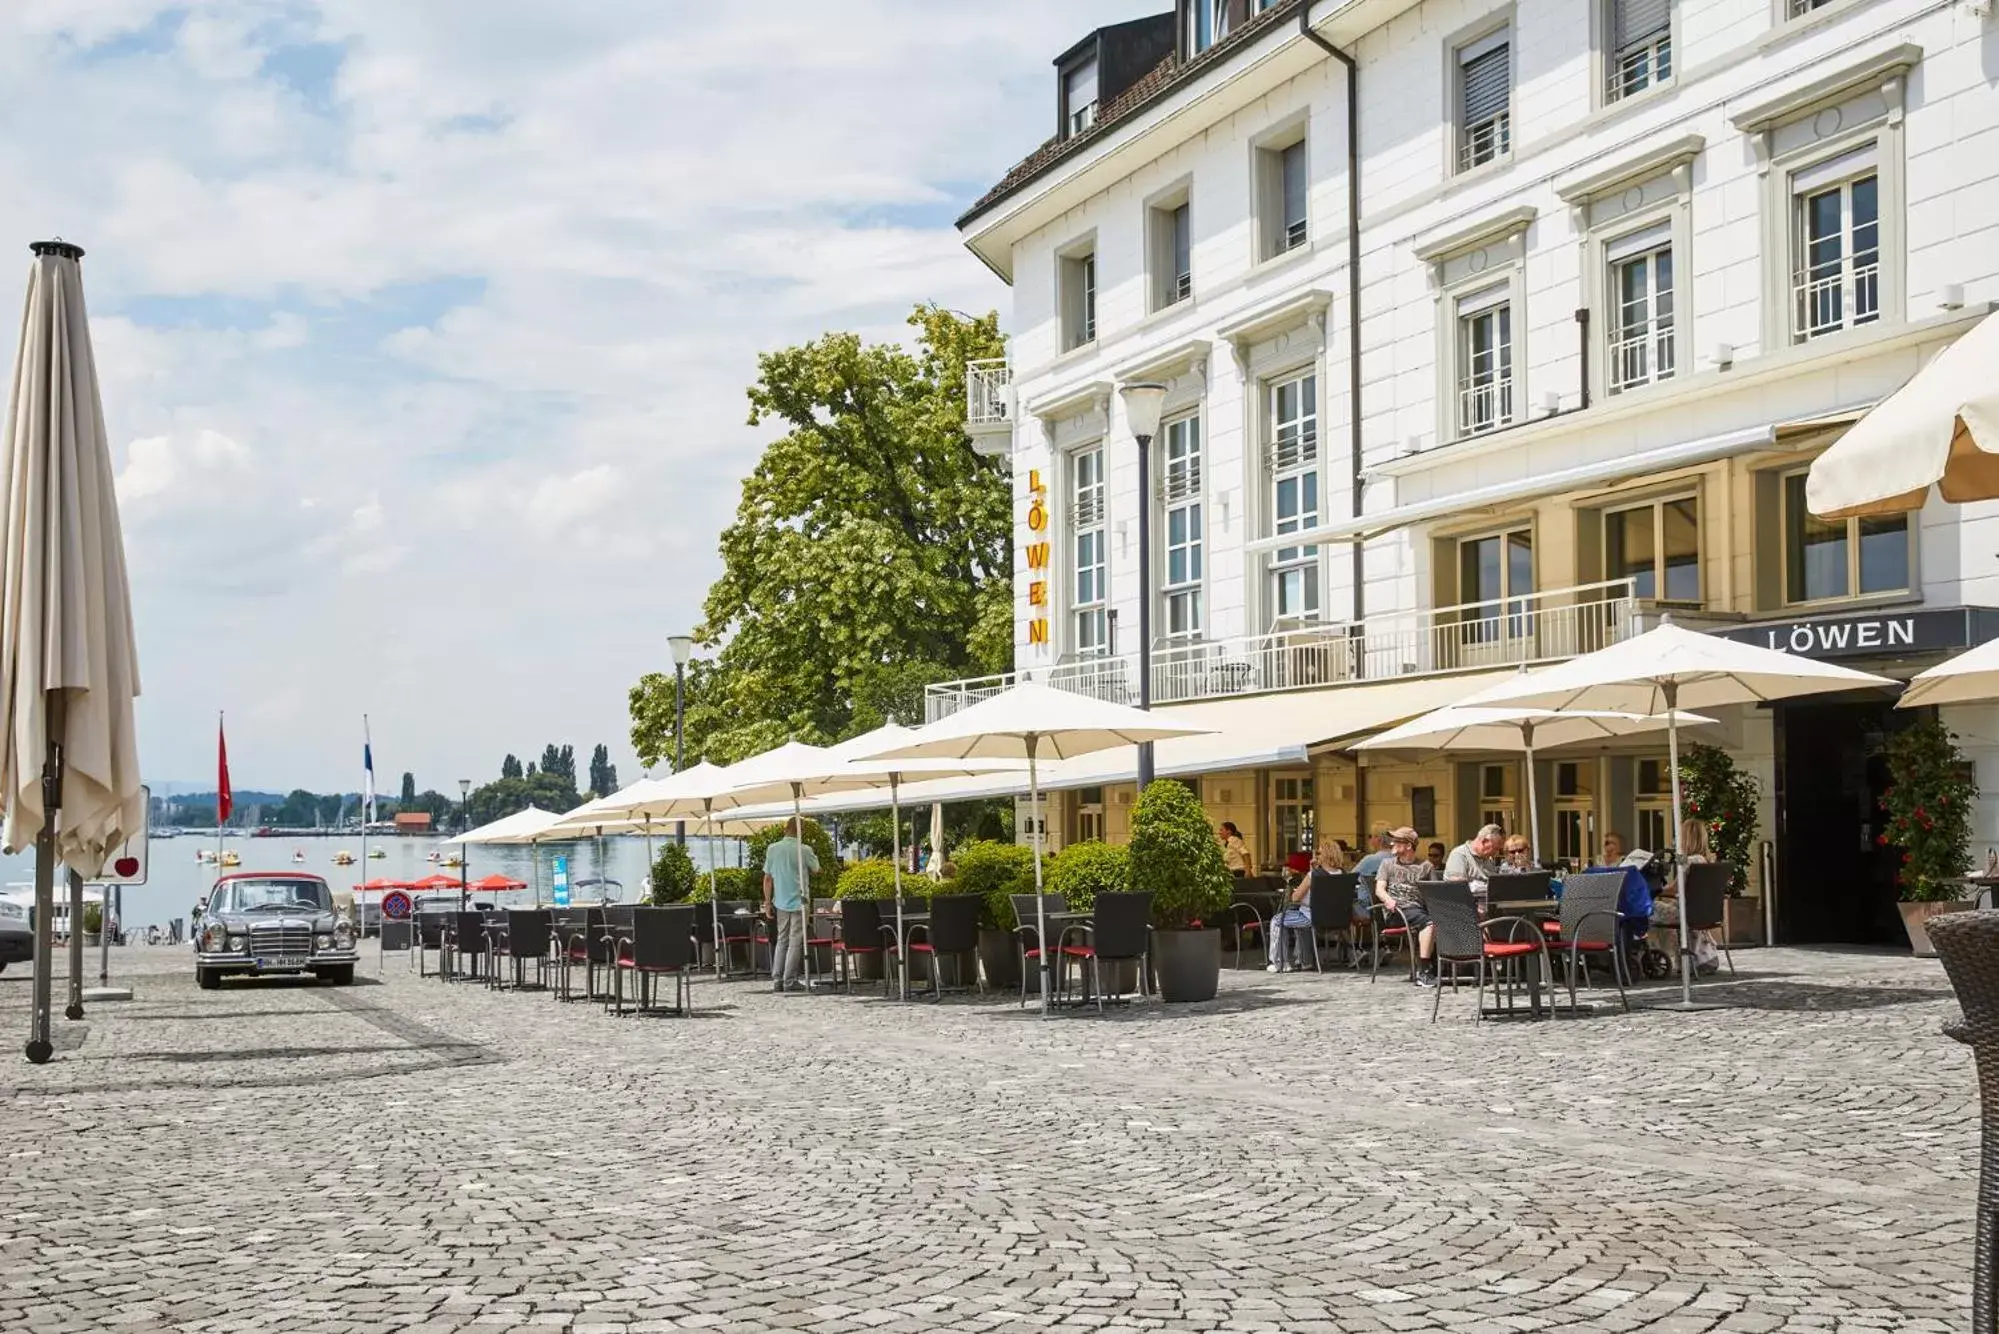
(1501, 727)
(1969, 678)
(1940, 429)
(1034, 722)
(69, 757)
(1657, 673)
(523, 826)
(854, 754)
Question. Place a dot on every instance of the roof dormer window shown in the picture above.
(1079, 97)
(1207, 23)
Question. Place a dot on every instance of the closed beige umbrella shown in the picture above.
(69, 756)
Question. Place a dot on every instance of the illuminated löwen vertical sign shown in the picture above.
(1037, 559)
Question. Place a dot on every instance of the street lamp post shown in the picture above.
(1143, 400)
(683, 649)
(464, 823)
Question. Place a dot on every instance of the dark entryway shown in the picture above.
(1836, 884)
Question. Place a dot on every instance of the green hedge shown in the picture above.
(1175, 856)
(995, 871)
(872, 880)
(824, 880)
(738, 882)
(1082, 871)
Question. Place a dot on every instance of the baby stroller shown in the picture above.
(1644, 877)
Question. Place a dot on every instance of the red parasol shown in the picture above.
(434, 882)
(494, 884)
(376, 886)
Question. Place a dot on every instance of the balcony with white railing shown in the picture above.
(1835, 299)
(988, 397)
(1540, 627)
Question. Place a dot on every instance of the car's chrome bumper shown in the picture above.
(249, 964)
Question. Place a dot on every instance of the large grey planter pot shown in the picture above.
(999, 955)
(1916, 915)
(1188, 964)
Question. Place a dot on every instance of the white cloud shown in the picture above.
(415, 319)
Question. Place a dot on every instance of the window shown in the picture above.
(1485, 360)
(1089, 825)
(1641, 314)
(1485, 100)
(1839, 558)
(1641, 46)
(1283, 192)
(1079, 98)
(1655, 806)
(1291, 805)
(1086, 520)
(1172, 241)
(1797, 9)
(1495, 579)
(1573, 801)
(1495, 795)
(1079, 299)
(1294, 483)
(1207, 23)
(1657, 547)
(1836, 245)
(1181, 587)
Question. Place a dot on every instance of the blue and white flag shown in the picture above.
(368, 770)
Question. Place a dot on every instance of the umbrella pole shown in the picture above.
(1040, 903)
(74, 1010)
(804, 885)
(1533, 796)
(652, 890)
(40, 1048)
(714, 893)
(1672, 692)
(895, 839)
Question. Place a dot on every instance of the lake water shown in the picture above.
(175, 881)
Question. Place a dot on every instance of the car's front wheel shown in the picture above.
(207, 979)
(340, 977)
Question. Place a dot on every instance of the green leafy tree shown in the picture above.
(603, 774)
(672, 874)
(1724, 798)
(995, 871)
(1084, 870)
(408, 798)
(1929, 803)
(1174, 855)
(870, 555)
(734, 882)
(511, 767)
(505, 796)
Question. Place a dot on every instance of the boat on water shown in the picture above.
(433, 856)
(378, 854)
(232, 858)
(298, 856)
(204, 855)
(343, 858)
(595, 889)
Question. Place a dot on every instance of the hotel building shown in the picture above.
(1492, 333)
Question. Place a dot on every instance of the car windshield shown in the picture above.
(274, 895)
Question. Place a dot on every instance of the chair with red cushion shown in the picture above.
(1462, 941)
(1591, 926)
(736, 926)
(1119, 930)
(1387, 925)
(862, 936)
(951, 932)
(659, 942)
(1027, 934)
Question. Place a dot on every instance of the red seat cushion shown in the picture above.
(1551, 928)
(1509, 949)
(1032, 954)
(921, 947)
(578, 952)
(845, 948)
(1590, 946)
(1080, 951)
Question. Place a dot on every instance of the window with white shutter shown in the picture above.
(1079, 98)
(1485, 100)
(1641, 46)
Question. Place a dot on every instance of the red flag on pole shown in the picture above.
(225, 801)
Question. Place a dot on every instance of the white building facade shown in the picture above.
(1620, 269)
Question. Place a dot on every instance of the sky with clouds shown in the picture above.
(423, 327)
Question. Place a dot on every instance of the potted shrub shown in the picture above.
(93, 924)
(1174, 855)
(1928, 802)
(1082, 871)
(873, 879)
(672, 875)
(996, 871)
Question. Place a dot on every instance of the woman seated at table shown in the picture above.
(1516, 856)
(1296, 913)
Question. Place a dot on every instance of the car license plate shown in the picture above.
(282, 961)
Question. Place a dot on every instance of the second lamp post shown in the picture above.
(1143, 400)
(683, 649)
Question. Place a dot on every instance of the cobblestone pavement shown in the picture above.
(1307, 1153)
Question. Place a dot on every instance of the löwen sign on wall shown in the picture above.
(1037, 559)
(1883, 634)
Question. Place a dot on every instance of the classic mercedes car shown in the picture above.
(267, 922)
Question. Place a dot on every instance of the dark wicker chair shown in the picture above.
(466, 939)
(1591, 927)
(431, 929)
(527, 943)
(659, 943)
(1968, 944)
(1119, 931)
(1387, 926)
(738, 930)
(1329, 903)
(951, 932)
(586, 946)
(1704, 906)
(1462, 941)
(1027, 936)
(1250, 911)
(862, 936)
